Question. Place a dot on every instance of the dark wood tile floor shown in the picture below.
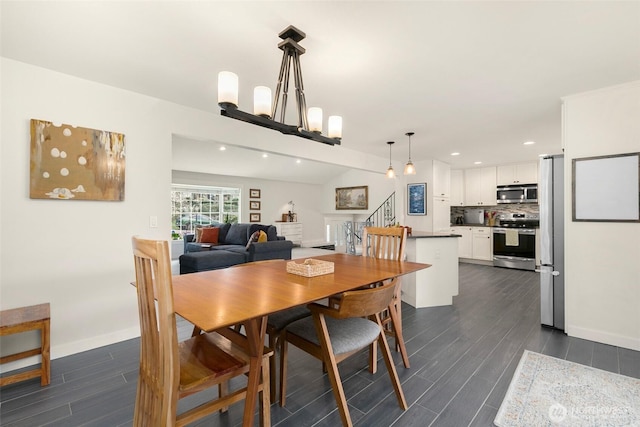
(462, 361)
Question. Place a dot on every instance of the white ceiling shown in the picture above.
(478, 77)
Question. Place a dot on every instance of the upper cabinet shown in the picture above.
(523, 173)
(480, 186)
(441, 179)
(457, 187)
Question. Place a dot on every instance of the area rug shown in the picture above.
(546, 391)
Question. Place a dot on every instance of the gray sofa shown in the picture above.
(232, 248)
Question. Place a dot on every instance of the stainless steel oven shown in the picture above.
(514, 241)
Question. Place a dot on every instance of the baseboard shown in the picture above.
(604, 337)
(314, 243)
(476, 261)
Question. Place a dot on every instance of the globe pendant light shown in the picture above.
(409, 169)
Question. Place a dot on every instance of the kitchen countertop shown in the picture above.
(428, 234)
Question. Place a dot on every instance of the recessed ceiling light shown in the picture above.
(529, 143)
(455, 154)
(477, 163)
(298, 161)
(265, 155)
(223, 148)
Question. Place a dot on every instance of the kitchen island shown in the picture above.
(438, 284)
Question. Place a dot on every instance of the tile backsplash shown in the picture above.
(530, 208)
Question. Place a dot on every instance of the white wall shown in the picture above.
(77, 254)
(602, 258)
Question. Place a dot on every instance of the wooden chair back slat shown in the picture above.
(159, 377)
(384, 242)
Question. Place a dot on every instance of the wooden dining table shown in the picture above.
(217, 299)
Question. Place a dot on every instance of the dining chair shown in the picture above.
(334, 333)
(389, 243)
(171, 370)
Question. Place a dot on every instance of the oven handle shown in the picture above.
(527, 231)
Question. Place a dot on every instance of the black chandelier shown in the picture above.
(309, 122)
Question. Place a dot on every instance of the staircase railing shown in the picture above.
(383, 216)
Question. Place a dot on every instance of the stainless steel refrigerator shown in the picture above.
(551, 202)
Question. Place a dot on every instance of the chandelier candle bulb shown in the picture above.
(227, 88)
(335, 127)
(315, 119)
(262, 101)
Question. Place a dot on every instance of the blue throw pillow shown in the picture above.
(272, 233)
(224, 229)
(237, 235)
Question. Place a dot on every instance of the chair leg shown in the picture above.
(332, 369)
(223, 390)
(397, 303)
(393, 374)
(373, 357)
(396, 324)
(274, 340)
(284, 348)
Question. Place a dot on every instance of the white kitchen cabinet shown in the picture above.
(523, 173)
(291, 231)
(465, 243)
(480, 186)
(441, 214)
(457, 188)
(475, 243)
(482, 243)
(441, 179)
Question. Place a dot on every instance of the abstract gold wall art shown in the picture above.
(69, 162)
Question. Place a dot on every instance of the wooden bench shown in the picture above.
(23, 319)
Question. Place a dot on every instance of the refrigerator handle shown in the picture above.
(553, 272)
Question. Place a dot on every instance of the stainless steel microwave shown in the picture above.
(517, 194)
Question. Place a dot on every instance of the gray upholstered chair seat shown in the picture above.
(346, 334)
(278, 321)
